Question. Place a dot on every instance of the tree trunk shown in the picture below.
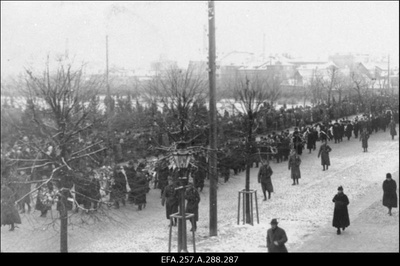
(64, 223)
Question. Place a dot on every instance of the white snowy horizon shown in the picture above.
(142, 32)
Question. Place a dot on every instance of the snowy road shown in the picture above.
(303, 211)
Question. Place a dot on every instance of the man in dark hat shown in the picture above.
(276, 238)
(389, 193)
(340, 214)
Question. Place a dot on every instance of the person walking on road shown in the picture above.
(392, 126)
(294, 166)
(340, 214)
(264, 177)
(364, 139)
(276, 238)
(324, 151)
(389, 193)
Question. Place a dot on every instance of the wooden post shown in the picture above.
(213, 121)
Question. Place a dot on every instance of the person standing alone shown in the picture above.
(324, 151)
(294, 166)
(340, 214)
(276, 238)
(389, 193)
(364, 139)
(264, 177)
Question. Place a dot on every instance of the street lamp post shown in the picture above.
(182, 159)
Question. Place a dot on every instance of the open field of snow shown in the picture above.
(303, 210)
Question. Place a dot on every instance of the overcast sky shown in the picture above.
(140, 32)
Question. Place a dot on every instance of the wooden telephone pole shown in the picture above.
(213, 120)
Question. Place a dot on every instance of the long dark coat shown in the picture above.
(139, 189)
(264, 176)
(364, 139)
(118, 188)
(389, 193)
(294, 166)
(324, 151)
(392, 126)
(311, 138)
(171, 200)
(279, 235)
(193, 198)
(341, 214)
(349, 130)
(9, 212)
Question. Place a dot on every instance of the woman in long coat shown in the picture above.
(340, 214)
(324, 151)
(9, 212)
(193, 199)
(389, 193)
(294, 166)
(170, 199)
(139, 190)
(364, 139)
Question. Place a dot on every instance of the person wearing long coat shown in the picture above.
(139, 190)
(9, 212)
(276, 238)
(389, 193)
(294, 166)
(118, 188)
(324, 151)
(340, 214)
(349, 130)
(193, 199)
(392, 126)
(170, 199)
(364, 139)
(264, 177)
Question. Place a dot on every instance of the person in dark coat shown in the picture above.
(130, 173)
(298, 142)
(340, 214)
(118, 187)
(9, 212)
(336, 131)
(392, 126)
(311, 139)
(193, 199)
(294, 166)
(356, 128)
(276, 238)
(324, 151)
(139, 190)
(349, 130)
(94, 190)
(389, 193)
(264, 177)
(162, 177)
(170, 199)
(364, 139)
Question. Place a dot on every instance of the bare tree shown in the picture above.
(251, 95)
(59, 109)
(179, 91)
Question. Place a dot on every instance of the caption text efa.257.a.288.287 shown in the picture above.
(199, 259)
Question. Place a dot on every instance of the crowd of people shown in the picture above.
(121, 183)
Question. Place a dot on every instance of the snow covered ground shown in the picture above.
(301, 210)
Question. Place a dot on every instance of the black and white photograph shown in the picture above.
(215, 128)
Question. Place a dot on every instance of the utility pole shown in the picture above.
(388, 75)
(108, 104)
(213, 120)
